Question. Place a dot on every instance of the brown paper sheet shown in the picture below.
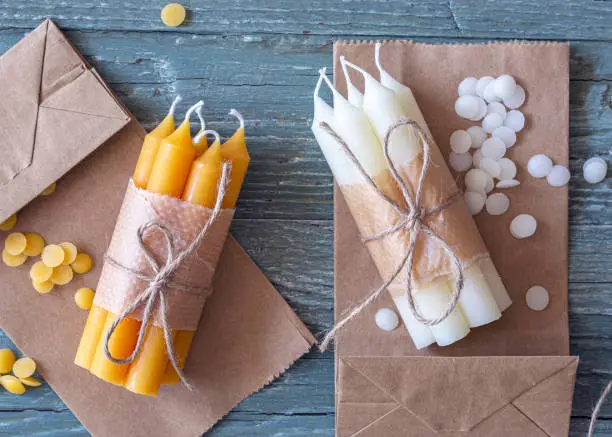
(247, 335)
(537, 339)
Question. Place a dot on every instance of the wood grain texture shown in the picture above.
(262, 57)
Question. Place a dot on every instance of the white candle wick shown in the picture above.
(356, 68)
(238, 115)
(377, 57)
(201, 117)
(319, 82)
(192, 109)
(347, 76)
(175, 102)
(200, 134)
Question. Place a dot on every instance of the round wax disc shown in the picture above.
(387, 319)
(594, 170)
(516, 99)
(467, 106)
(173, 14)
(523, 226)
(492, 122)
(537, 298)
(507, 135)
(510, 183)
(489, 185)
(483, 82)
(482, 110)
(15, 243)
(497, 108)
(504, 86)
(497, 204)
(508, 169)
(460, 141)
(489, 93)
(515, 120)
(476, 158)
(490, 166)
(493, 148)
(559, 176)
(476, 180)
(478, 136)
(460, 162)
(467, 86)
(474, 201)
(539, 166)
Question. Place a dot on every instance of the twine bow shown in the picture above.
(411, 219)
(160, 280)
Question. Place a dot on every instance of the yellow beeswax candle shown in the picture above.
(235, 151)
(200, 142)
(151, 145)
(182, 344)
(90, 337)
(201, 186)
(147, 369)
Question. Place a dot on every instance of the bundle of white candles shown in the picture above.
(362, 121)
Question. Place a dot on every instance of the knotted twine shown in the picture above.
(411, 219)
(160, 279)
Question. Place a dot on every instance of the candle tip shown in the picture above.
(238, 115)
(175, 102)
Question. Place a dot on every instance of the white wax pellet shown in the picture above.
(594, 170)
(492, 122)
(493, 148)
(460, 141)
(537, 298)
(482, 83)
(497, 204)
(490, 166)
(504, 86)
(508, 169)
(387, 319)
(489, 93)
(496, 108)
(460, 161)
(474, 201)
(516, 99)
(539, 166)
(515, 120)
(482, 110)
(478, 135)
(490, 184)
(467, 106)
(476, 180)
(559, 176)
(510, 183)
(476, 158)
(507, 135)
(467, 86)
(523, 226)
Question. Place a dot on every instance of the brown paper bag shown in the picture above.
(247, 335)
(509, 378)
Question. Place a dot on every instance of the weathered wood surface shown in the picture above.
(263, 57)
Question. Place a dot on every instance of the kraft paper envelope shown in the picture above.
(54, 112)
(247, 335)
(514, 376)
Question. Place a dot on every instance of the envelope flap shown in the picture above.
(455, 394)
(354, 387)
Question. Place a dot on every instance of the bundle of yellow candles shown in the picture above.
(171, 163)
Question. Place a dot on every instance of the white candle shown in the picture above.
(477, 302)
(354, 95)
(496, 286)
(421, 335)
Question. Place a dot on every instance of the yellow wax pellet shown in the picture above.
(24, 367)
(82, 263)
(35, 244)
(15, 243)
(13, 260)
(70, 252)
(40, 272)
(49, 190)
(12, 384)
(7, 359)
(43, 287)
(173, 14)
(9, 223)
(53, 255)
(31, 382)
(62, 275)
(84, 298)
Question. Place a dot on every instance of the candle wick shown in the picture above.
(238, 115)
(329, 84)
(319, 82)
(377, 57)
(355, 67)
(201, 117)
(347, 76)
(192, 109)
(175, 102)
(201, 134)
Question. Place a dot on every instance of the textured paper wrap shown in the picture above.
(520, 363)
(118, 288)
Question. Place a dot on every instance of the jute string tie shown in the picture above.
(598, 407)
(161, 279)
(411, 219)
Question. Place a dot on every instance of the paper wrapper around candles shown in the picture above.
(118, 288)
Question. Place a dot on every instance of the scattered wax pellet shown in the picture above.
(40, 272)
(523, 226)
(173, 14)
(510, 183)
(507, 135)
(476, 180)
(508, 169)
(84, 298)
(43, 287)
(482, 84)
(24, 367)
(7, 359)
(49, 190)
(467, 86)
(491, 166)
(460, 162)
(594, 170)
(30, 382)
(493, 148)
(460, 141)
(13, 260)
(497, 204)
(482, 110)
(82, 263)
(504, 86)
(15, 243)
(35, 244)
(492, 122)
(537, 298)
(490, 184)
(539, 166)
(476, 158)
(475, 201)
(515, 120)
(62, 275)
(496, 108)
(467, 106)
(53, 255)
(387, 319)
(12, 384)
(516, 99)
(489, 93)
(70, 252)
(9, 223)
(559, 176)
(478, 135)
